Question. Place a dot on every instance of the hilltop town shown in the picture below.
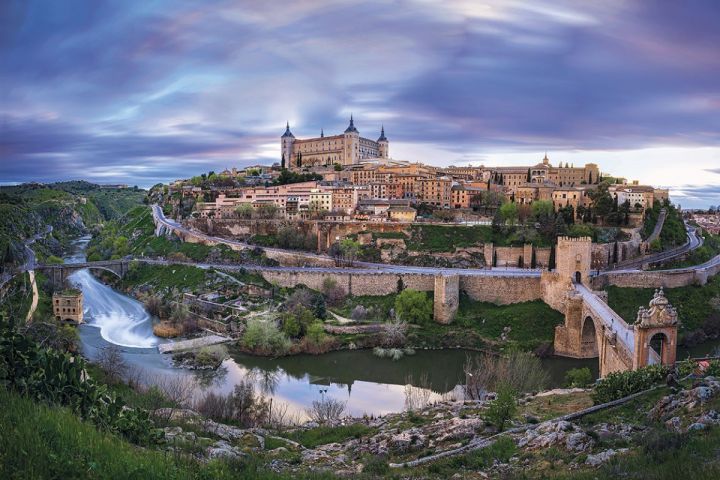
(347, 177)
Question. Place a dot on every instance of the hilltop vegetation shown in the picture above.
(134, 234)
(70, 208)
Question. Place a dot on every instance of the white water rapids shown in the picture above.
(121, 320)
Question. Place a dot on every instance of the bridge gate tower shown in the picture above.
(655, 333)
(572, 259)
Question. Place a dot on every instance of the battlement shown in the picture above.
(575, 239)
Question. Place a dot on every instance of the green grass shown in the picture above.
(692, 302)
(501, 451)
(41, 442)
(166, 277)
(313, 437)
(531, 323)
(395, 235)
(436, 238)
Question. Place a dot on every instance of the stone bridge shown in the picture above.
(592, 329)
(59, 273)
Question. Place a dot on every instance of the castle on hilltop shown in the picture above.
(348, 148)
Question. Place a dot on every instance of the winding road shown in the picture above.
(362, 267)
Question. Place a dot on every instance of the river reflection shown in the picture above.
(370, 385)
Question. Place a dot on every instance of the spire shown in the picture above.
(382, 135)
(351, 127)
(322, 133)
(288, 133)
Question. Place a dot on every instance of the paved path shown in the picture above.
(192, 343)
(612, 320)
(362, 267)
(35, 297)
(693, 241)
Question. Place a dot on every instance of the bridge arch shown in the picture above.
(589, 338)
(105, 269)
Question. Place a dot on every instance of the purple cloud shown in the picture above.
(149, 91)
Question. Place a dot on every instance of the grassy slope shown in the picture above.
(692, 302)
(40, 442)
(476, 324)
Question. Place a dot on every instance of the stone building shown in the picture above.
(68, 306)
(348, 148)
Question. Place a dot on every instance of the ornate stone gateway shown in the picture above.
(656, 333)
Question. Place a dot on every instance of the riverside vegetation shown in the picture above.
(65, 418)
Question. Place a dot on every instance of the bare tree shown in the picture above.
(393, 332)
(111, 361)
(326, 411)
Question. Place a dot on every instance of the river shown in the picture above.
(370, 385)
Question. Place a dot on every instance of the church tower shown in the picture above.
(383, 145)
(286, 147)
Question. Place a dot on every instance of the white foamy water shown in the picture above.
(121, 320)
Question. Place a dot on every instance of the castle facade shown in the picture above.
(348, 148)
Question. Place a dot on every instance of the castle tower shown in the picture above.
(352, 143)
(383, 145)
(572, 258)
(655, 333)
(286, 146)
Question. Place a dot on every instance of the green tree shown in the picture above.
(503, 408)
(578, 377)
(349, 249)
(316, 333)
(244, 210)
(290, 325)
(413, 306)
(509, 213)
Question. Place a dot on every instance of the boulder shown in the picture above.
(602, 457)
(222, 449)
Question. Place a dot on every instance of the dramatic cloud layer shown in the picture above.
(141, 92)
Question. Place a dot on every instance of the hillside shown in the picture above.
(70, 208)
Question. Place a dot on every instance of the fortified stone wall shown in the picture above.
(602, 253)
(501, 290)
(357, 284)
(554, 290)
(649, 279)
(510, 256)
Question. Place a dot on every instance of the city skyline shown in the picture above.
(140, 93)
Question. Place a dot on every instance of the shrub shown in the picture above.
(263, 336)
(110, 360)
(359, 313)
(316, 333)
(211, 355)
(334, 294)
(376, 465)
(290, 325)
(578, 377)
(413, 306)
(393, 332)
(60, 378)
(503, 408)
(617, 385)
(167, 330)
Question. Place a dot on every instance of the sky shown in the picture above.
(147, 91)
